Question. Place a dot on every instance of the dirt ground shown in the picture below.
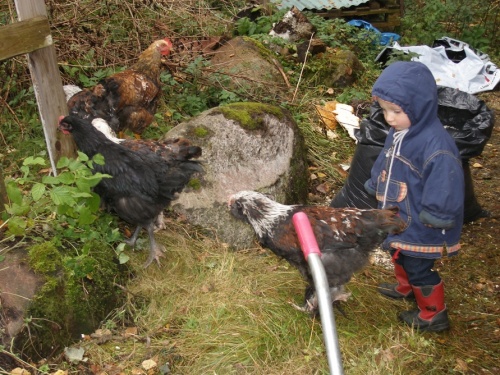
(473, 278)
(486, 175)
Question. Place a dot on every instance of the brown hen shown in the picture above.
(127, 99)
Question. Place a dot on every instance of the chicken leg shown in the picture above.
(155, 250)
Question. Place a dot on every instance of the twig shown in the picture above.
(302, 70)
(126, 290)
(285, 78)
(17, 359)
(135, 24)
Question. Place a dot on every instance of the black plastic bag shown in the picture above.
(353, 193)
(466, 118)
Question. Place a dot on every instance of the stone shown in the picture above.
(245, 146)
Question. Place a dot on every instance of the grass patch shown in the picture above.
(211, 310)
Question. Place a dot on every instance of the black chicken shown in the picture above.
(171, 150)
(142, 184)
(345, 236)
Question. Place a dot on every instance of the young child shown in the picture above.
(420, 171)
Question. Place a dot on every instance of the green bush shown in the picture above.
(475, 22)
(70, 243)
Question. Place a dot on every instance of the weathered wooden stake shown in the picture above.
(47, 84)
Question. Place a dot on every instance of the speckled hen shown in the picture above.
(345, 236)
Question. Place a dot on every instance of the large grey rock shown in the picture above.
(250, 69)
(246, 146)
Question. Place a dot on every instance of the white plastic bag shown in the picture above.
(474, 73)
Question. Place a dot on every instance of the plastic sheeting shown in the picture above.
(453, 64)
(384, 38)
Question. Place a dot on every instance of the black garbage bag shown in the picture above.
(468, 120)
(353, 193)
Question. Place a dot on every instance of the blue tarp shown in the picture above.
(385, 38)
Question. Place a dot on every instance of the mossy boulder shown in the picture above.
(248, 67)
(246, 146)
(333, 68)
(62, 295)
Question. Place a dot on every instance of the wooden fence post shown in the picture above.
(47, 85)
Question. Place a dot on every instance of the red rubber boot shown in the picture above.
(431, 315)
(402, 289)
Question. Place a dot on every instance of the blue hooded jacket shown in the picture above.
(424, 166)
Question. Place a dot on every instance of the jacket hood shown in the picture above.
(411, 86)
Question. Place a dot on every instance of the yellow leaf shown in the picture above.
(130, 331)
(19, 371)
(327, 116)
(461, 365)
(148, 364)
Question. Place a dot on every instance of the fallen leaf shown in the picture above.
(385, 356)
(479, 286)
(130, 331)
(461, 365)
(323, 188)
(206, 288)
(19, 371)
(327, 109)
(148, 364)
(137, 371)
(327, 117)
(101, 332)
(477, 165)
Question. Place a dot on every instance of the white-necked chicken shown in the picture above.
(345, 236)
(142, 184)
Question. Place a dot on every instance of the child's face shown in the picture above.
(394, 115)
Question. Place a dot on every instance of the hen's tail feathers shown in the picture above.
(181, 149)
(386, 220)
(376, 225)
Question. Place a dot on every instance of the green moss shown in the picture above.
(194, 183)
(333, 69)
(263, 50)
(250, 115)
(44, 258)
(201, 132)
(78, 293)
